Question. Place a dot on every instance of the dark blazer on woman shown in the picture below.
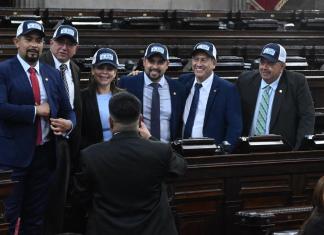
(315, 226)
(91, 130)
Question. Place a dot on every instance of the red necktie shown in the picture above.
(36, 91)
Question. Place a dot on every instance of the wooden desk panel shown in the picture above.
(216, 187)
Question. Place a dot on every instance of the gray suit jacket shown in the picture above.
(293, 114)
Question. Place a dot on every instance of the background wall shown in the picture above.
(233, 5)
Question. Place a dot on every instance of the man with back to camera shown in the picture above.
(34, 112)
(63, 46)
(162, 98)
(122, 180)
(212, 107)
(275, 100)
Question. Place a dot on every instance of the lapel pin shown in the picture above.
(174, 93)
(280, 91)
(215, 91)
(46, 79)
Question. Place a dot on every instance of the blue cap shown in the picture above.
(206, 47)
(157, 49)
(67, 31)
(274, 52)
(28, 26)
(105, 56)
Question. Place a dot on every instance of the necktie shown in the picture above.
(260, 128)
(63, 68)
(36, 91)
(155, 111)
(192, 112)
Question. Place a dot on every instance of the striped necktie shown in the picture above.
(260, 128)
(63, 68)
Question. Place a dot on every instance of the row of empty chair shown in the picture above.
(171, 19)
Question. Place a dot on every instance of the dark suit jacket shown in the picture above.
(292, 114)
(67, 152)
(75, 136)
(91, 123)
(223, 120)
(121, 182)
(17, 112)
(135, 85)
(315, 226)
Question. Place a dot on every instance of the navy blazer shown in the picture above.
(135, 85)
(17, 112)
(223, 118)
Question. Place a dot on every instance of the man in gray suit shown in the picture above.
(122, 180)
(275, 100)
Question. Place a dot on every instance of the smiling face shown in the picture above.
(270, 71)
(155, 67)
(202, 65)
(104, 74)
(63, 48)
(30, 46)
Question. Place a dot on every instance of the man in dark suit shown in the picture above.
(275, 100)
(162, 97)
(213, 105)
(122, 180)
(63, 46)
(34, 111)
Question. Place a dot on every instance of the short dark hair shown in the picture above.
(124, 107)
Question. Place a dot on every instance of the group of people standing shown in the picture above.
(126, 156)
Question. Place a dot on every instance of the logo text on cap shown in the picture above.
(34, 26)
(106, 56)
(269, 51)
(203, 47)
(67, 31)
(157, 49)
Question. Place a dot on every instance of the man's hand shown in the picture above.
(143, 131)
(60, 126)
(43, 110)
(134, 73)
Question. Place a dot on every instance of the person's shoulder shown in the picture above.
(95, 150)
(294, 75)
(7, 62)
(185, 77)
(131, 78)
(248, 74)
(49, 69)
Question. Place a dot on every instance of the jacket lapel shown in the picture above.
(211, 97)
(278, 99)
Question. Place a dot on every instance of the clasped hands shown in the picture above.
(59, 126)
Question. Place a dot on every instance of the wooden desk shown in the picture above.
(216, 187)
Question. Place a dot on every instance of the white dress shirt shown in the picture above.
(69, 79)
(272, 92)
(197, 129)
(44, 123)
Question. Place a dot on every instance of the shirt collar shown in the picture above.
(207, 82)
(58, 63)
(148, 81)
(273, 85)
(26, 66)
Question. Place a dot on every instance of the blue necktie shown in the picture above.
(192, 112)
(261, 124)
(155, 111)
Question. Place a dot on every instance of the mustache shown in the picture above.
(156, 70)
(32, 50)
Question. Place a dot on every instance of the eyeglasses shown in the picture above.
(67, 42)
